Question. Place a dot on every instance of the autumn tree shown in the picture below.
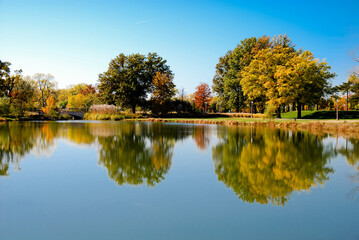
(45, 85)
(302, 80)
(163, 91)
(202, 96)
(79, 96)
(128, 79)
(259, 78)
(51, 108)
(22, 95)
(227, 80)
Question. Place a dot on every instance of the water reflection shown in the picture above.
(136, 153)
(351, 151)
(132, 153)
(264, 165)
(260, 165)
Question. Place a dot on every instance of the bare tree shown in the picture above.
(45, 84)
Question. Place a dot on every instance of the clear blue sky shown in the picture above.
(75, 40)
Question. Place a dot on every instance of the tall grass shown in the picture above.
(108, 112)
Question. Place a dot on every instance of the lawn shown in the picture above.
(322, 115)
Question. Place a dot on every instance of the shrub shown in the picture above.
(105, 109)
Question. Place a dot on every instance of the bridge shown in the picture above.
(76, 113)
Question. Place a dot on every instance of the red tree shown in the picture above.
(202, 96)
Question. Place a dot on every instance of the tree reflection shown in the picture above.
(264, 165)
(16, 140)
(351, 152)
(137, 153)
(202, 136)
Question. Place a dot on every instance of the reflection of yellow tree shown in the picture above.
(267, 165)
(78, 133)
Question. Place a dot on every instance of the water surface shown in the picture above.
(131, 180)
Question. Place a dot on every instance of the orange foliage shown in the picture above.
(202, 96)
(51, 108)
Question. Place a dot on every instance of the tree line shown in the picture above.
(260, 74)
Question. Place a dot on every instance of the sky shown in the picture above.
(75, 40)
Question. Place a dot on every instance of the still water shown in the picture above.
(131, 180)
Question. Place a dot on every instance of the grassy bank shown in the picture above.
(322, 115)
(342, 127)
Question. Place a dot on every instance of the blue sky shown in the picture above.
(75, 40)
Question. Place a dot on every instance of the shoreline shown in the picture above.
(342, 127)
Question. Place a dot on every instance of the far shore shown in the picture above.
(341, 127)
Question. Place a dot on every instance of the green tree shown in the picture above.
(227, 80)
(22, 95)
(4, 77)
(128, 79)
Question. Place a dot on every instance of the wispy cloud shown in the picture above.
(144, 21)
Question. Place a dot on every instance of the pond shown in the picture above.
(134, 180)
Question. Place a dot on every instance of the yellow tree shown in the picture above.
(302, 80)
(259, 78)
(163, 91)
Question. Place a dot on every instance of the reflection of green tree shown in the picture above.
(267, 165)
(352, 152)
(16, 140)
(137, 153)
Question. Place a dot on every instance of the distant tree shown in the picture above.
(51, 108)
(163, 90)
(202, 96)
(354, 88)
(21, 95)
(45, 85)
(4, 76)
(128, 79)
(345, 88)
(88, 89)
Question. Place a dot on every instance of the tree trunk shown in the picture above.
(293, 108)
(299, 115)
(317, 107)
(279, 112)
(347, 101)
(133, 108)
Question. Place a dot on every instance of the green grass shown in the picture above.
(321, 115)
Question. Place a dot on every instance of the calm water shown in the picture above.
(128, 180)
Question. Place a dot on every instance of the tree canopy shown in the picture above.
(270, 72)
(128, 79)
